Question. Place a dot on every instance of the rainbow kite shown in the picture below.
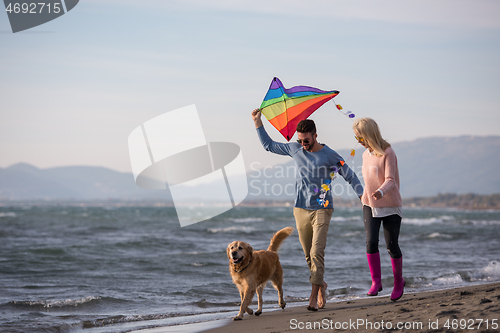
(285, 108)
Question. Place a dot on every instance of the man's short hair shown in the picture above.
(306, 126)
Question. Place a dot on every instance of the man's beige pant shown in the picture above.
(312, 226)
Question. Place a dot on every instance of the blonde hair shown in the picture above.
(368, 129)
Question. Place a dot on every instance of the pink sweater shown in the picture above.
(381, 173)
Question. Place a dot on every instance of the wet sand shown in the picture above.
(472, 308)
(460, 309)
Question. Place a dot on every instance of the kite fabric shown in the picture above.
(285, 108)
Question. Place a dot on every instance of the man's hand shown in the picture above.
(256, 114)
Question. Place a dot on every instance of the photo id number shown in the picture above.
(33, 8)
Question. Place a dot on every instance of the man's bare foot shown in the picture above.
(313, 299)
(322, 296)
(313, 305)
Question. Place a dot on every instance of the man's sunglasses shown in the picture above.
(306, 141)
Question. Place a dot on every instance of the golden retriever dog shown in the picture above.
(251, 270)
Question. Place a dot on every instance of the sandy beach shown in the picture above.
(471, 308)
(460, 308)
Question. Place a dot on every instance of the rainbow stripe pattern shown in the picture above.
(285, 108)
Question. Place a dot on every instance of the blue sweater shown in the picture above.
(313, 168)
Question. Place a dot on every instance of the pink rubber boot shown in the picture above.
(399, 282)
(374, 264)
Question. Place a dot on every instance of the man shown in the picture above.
(314, 162)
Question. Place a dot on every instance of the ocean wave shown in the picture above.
(280, 209)
(493, 268)
(296, 299)
(344, 291)
(7, 214)
(485, 222)
(352, 234)
(448, 280)
(247, 220)
(56, 304)
(203, 303)
(49, 251)
(421, 282)
(246, 230)
(432, 220)
(345, 219)
(417, 282)
(489, 273)
(122, 319)
(439, 235)
(428, 221)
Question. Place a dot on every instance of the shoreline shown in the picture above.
(475, 307)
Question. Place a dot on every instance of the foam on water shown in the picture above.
(351, 234)
(493, 269)
(246, 230)
(57, 303)
(485, 222)
(417, 221)
(439, 235)
(247, 220)
(488, 273)
(448, 280)
(345, 219)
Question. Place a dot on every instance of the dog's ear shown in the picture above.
(250, 249)
(228, 250)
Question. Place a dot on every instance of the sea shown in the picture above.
(122, 268)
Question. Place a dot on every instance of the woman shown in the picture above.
(381, 203)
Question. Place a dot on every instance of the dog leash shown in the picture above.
(244, 268)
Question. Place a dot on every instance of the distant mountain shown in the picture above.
(25, 182)
(465, 164)
(427, 167)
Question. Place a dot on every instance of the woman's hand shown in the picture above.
(377, 195)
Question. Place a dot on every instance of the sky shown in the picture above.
(73, 89)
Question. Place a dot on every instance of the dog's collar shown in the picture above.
(244, 268)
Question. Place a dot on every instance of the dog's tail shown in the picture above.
(278, 238)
